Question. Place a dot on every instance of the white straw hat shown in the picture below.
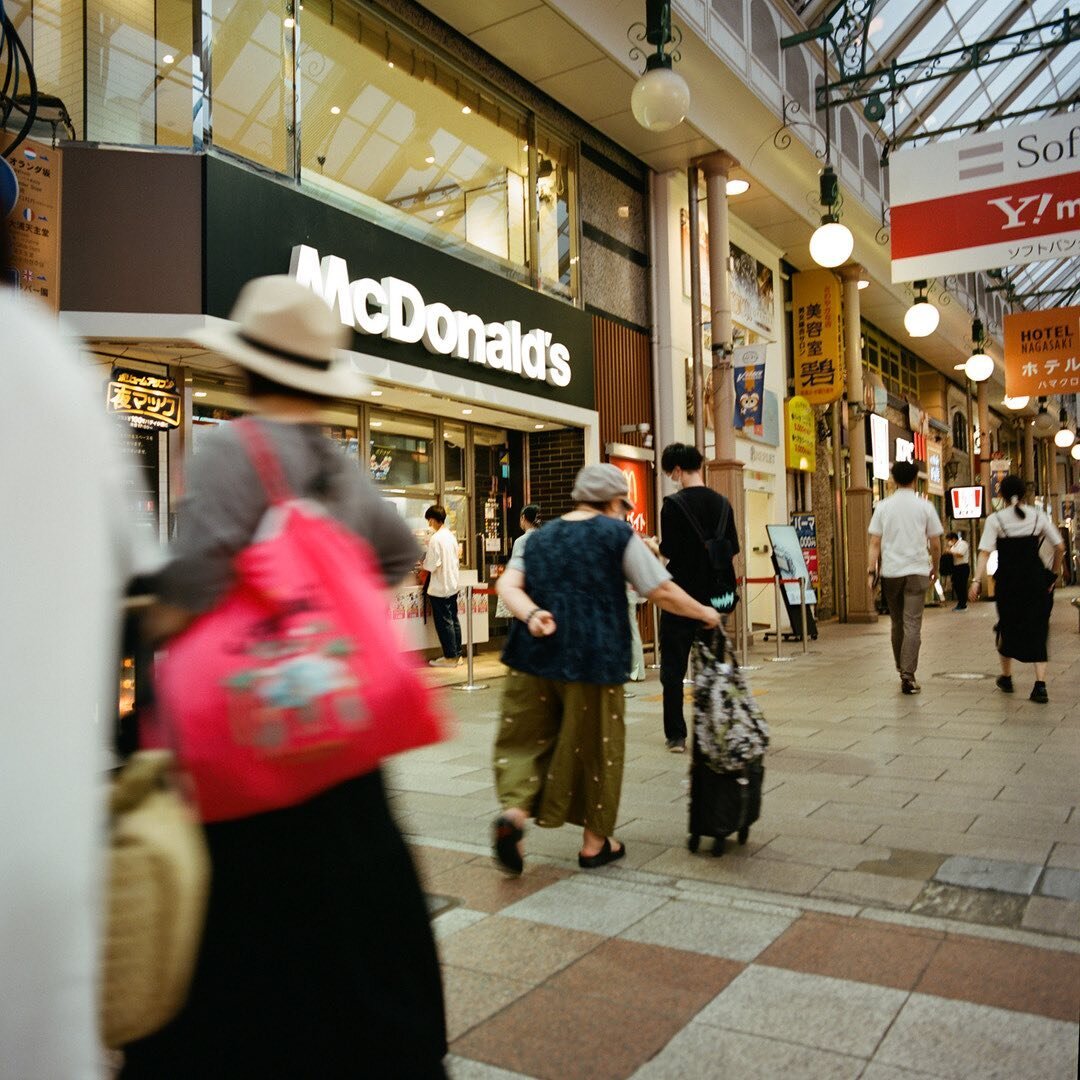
(286, 333)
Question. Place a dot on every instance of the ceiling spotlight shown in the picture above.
(334, 110)
(430, 159)
(832, 243)
(978, 367)
(539, 427)
(466, 109)
(289, 23)
(921, 319)
(864, 283)
(199, 393)
(439, 213)
(168, 58)
(376, 393)
(737, 187)
(466, 412)
(1015, 403)
(390, 63)
(660, 99)
(376, 423)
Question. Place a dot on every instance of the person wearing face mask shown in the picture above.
(442, 579)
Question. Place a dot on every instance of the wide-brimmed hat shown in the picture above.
(600, 484)
(286, 333)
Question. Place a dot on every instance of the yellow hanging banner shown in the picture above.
(819, 344)
(800, 435)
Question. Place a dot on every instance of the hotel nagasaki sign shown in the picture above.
(394, 309)
(1042, 352)
(999, 198)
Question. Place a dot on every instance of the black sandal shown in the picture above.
(507, 837)
(604, 856)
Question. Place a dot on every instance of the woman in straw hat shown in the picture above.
(559, 747)
(317, 957)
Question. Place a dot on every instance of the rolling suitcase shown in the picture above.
(723, 803)
(730, 735)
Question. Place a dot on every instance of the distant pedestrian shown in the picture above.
(441, 567)
(529, 521)
(901, 528)
(561, 737)
(1030, 551)
(959, 549)
(688, 519)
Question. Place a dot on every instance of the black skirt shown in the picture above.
(317, 957)
(1024, 600)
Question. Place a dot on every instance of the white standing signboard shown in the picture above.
(999, 198)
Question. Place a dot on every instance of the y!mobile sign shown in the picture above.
(999, 198)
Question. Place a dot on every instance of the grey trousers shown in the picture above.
(906, 597)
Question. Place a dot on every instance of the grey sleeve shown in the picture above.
(216, 518)
(517, 554)
(642, 568)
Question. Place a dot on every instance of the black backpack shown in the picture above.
(718, 550)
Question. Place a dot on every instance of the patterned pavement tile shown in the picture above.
(1060, 882)
(856, 949)
(962, 1041)
(701, 1052)
(813, 1010)
(671, 982)
(1052, 916)
(579, 905)
(450, 922)
(989, 874)
(704, 928)
(1006, 976)
(548, 1035)
(482, 887)
(459, 1068)
(527, 951)
(472, 996)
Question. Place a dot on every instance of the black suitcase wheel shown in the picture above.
(744, 834)
(718, 847)
(693, 842)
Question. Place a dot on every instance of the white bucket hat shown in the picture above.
(286, 333)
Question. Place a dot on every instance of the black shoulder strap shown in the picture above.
(694, 523)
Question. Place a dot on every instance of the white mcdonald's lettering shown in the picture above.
(395, 309)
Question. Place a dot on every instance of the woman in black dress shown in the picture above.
(1029, 549)
(317, 958)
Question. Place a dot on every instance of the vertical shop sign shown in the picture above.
(748, 363)
(999, 469)
(879, 446)
(819, 358)
(35, 221)
(806, 530)
(150, 402)
(934, 474)
(801, 438)
(637, 480)
(1042, 352)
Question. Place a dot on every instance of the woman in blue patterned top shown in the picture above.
(559, 749)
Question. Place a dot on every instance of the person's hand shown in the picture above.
(973, 592)
(711, 617)
(541, 624)
(652, 544)
(933, 576)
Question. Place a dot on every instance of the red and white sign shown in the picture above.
(999, 198)
(965, 503)
(637, 480)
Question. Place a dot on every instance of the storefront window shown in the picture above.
(454, 454)
(386, 120)
(402, 462)
(556, 239)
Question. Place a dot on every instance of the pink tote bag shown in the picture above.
(295, 681)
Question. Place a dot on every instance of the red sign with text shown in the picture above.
(637, 475)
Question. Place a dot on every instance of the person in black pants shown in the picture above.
(958, 550)
(689, 566)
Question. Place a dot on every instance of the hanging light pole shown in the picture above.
(660, 99)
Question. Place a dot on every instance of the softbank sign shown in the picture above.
(395, 309)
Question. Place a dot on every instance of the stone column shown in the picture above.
(1029, 452)
(860, 600)
(984, 435)
(724, 472)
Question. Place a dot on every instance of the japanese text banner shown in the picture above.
(815, 317)
(1042, 352)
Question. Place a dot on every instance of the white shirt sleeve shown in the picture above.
(1050, 531)
(432, 560)
(991, 532)
(933, 522)
(874, 528)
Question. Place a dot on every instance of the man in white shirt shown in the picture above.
(443, 581)
(960, 550)
(900, 530)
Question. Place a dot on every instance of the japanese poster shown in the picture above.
(815, 315)
(801, 435)
(805, 526)
(1042, 352)
(35, 221)
(748, 362)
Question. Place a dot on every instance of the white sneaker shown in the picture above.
(445, 661)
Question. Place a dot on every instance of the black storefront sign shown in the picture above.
(147, 402)
(253, 223)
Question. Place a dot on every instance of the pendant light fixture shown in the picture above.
(1064, 437)
(1043, 422)
(978, 367)
(922, 318)
(1015, 403)
(1076, 448)
(660, 99)
(832, 243)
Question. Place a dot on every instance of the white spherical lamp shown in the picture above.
(660, 99)
(921, 319)
(1015, 403)
(1064, 438)
(1043, 424)
(832, 244)
(978, 367)
(1076, 451)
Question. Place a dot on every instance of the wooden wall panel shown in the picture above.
(623, 379)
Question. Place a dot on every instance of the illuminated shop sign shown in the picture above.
(147, 401)
(396, 310)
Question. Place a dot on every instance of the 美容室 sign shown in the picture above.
(998, 198)
(815, 317)
(1042, 352)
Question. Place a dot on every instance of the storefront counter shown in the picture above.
(407, 613)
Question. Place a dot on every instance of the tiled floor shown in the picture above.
(908, 906)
